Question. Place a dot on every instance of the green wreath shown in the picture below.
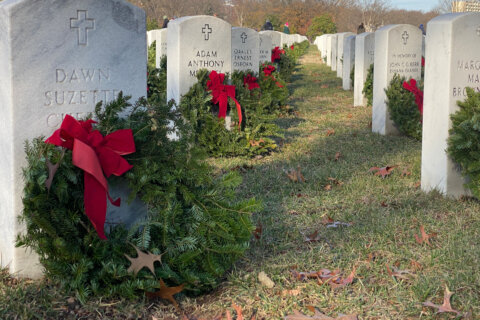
(193, 218)
(368, 86)
(403, 109)
(464, 139)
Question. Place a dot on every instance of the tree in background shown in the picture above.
(374, 13)
(300, 14)
(321, 25)
(444, 6)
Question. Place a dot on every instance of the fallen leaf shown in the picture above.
(295, 175)
(383, 171)
(312, 237)
(255, 143)
(401, 274)
(166, 293)
(330, 132)
(143, 260)
(324, 86)
(238, 310)
(417, 184)
(265, 280)
(415, 265)
(257, 233)
(52, 169)
(337, 224)
(335, 181)
(406, 173)
(445, 307)
(293, 292)
(318, 316)
(349, 115)
(424, 237)
(328, 187)
(338, 155)
(327, 220)
(342, 282)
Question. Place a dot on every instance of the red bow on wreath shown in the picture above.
(251, 82)
(276, 52)
(412, 87)
(95, 155)
(221, 93)
(267, 71)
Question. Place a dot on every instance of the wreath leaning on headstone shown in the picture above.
(229, 120)
(368, 86)
(189, 217)
(464, 139)
(405, 105)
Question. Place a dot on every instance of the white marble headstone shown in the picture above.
(245, 49)
(58, 57)
(161, 45)
(328, 50)
(398, 50)
(364, 54)
(194, 43)
(333, 52)
(348, 61)
(452, 63)
(340, 51)
(265, 48)
(275, 36)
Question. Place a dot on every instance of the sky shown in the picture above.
(423, 5)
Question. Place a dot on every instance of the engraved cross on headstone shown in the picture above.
(206, 30)
(82, 24)
(244, 37)
(405, 37)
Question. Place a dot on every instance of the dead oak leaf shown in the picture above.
(143, 260)
(330, 132)
(166, 293)
(295, 175)
(52, 169)
(318, 316)
(313, 237)
(327, 220)
(383, 171)
(338, 155)
(342, 282)
(446, 306)
(255, 143)
(400, 274)
(257, 233)
(424, 237)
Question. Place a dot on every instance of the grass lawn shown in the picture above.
(331, 142)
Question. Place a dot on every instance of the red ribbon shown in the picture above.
(423, 62)
(267, 71)
(95, 155)
(276, 54)
(221, 93)
(251, 82)
(292, 47)
(412, 87)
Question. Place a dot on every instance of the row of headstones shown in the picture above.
(249, 48)
(452, 62)
(65, 63)
(206, 42)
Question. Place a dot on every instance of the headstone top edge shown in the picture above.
(450, 17)
(198, 17)
(393, 26)
(243, 28)
(11, 4)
